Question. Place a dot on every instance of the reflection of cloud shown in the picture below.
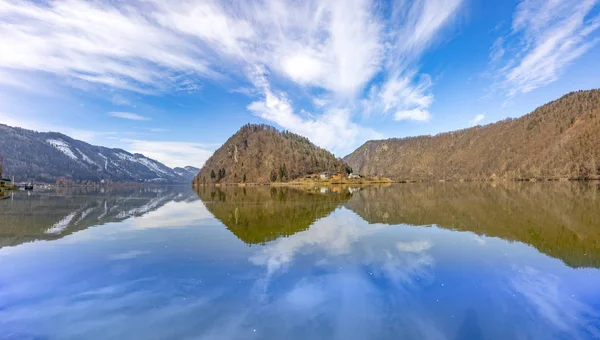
(335, 234)
(562, 310)
(305, 296)
(352, 257)
(173, 214)
(404, 266)
(112, 311)
(128, 255)
(340, 234)
(413, 247)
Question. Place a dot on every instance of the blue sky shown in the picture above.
(174, 79)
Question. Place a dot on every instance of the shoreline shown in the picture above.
(363, 182)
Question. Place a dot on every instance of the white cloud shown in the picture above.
(414, 114)
(171, 153)
(497, 50)
(417, 26)
(101, 43)
(421, 23)
(546, 36)
(334, 49)
(332, 130)
(399, 95)
(128, 115)
(303, 68)
(476, 120)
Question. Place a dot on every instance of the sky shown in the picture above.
(173, 79)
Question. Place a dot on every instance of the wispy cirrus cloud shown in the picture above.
(545, 37)
(476, 120)
(416, 26)
(335, 48)
(128, 115)
(325, 130)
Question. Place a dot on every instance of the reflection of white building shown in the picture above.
(353, 190)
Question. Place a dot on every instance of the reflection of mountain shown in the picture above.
(262, 214)
(559, 219)
(52, 215)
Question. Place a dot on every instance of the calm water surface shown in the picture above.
(443, 261)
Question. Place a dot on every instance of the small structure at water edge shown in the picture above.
(6, 182)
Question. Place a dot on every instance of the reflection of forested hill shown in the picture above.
(54, 214)
(559, 219)
(261, 214)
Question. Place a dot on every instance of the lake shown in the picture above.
(406, 261)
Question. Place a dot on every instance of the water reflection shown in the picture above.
(559, 219)
(52, 214)
(273, 263)
(258, 214)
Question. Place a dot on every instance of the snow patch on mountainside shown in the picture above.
(125, 157)
(63, 147)
(86, 158)
(152, 166)
(105, 160)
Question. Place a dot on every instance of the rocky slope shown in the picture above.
(262, 154)
(557, 140)
(47, 156)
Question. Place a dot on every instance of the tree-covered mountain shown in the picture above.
(47, 156)
(557, 140)
(263, 154)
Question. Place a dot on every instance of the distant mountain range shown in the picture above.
(47, 156)
(558, 140)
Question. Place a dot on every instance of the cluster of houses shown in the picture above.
(332, 175)
(5, 182)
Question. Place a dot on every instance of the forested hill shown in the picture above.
(47, 156)
(558, 140)
(263, 154)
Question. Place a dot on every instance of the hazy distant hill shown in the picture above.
(262, 154)
(559, 139)
(46, 156)
(187, 172)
